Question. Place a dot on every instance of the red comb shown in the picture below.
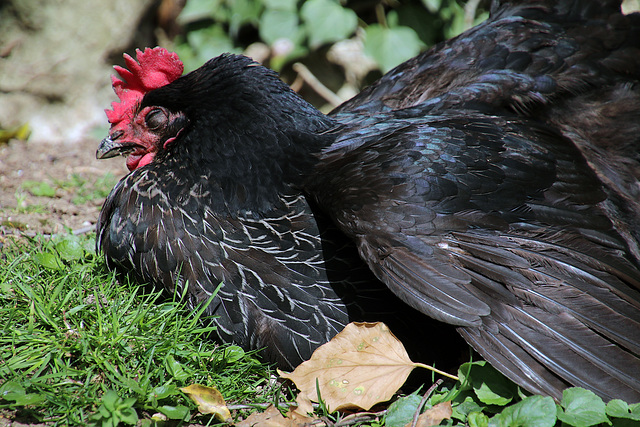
(153, 68)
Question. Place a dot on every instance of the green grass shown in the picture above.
(80, 346)
(84, 189)
(77, 345)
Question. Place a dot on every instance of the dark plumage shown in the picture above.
(490, 183)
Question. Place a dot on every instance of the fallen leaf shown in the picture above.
(209, 401)
(361, 366)
(273, 418)
(20, 132)
(434, 416)
(303, 407)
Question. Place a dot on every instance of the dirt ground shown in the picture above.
(48, 188)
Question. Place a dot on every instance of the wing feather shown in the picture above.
(496, 226)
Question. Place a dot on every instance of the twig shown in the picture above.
(84, 230)
(31, 234)
(426, 396)
(313, 81)
(470, 13)
(360, 417)
(283, 405)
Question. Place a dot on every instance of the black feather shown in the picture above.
(490, 183)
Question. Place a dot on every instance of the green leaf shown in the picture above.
(128, 416)
(580, 407)
(432, 5)
(400, 412)
(202, 45)
(534, 411)
(70, 248)
(233, 353)
(162, 392)
(48, 260)
(425, 24)
(327, 21)
(102, 410)
(29, 399)
(179, 412)
(110, 400)
(209, 42)
(463, 409)
(278, 24)
(11, 388)
(242, 12)
(288, 5)
(620, 409)
(195, 10)
(176, 369)
(489, 385)
(391, 46)
(477, 419)
(126, 403)
(464, 373)
(89, 244)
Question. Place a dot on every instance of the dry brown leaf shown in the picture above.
(272, 418)
(303, 406)
(209, 401)
(361, 366)
(434, 416)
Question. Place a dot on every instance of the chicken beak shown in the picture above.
(107, 149)
(113, 145)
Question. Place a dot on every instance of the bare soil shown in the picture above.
(78, 180)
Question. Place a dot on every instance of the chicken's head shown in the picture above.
(139, 132)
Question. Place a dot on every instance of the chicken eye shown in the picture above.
(156, 119)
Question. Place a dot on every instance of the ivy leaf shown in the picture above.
(391, 46)
(202, 45)
(243, 11)
(327, 21)
(289, 5)
(195, 10)
(581, 407)
(432, 5)
(534, 411)
(278, 24)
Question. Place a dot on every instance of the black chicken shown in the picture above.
(490, 183)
